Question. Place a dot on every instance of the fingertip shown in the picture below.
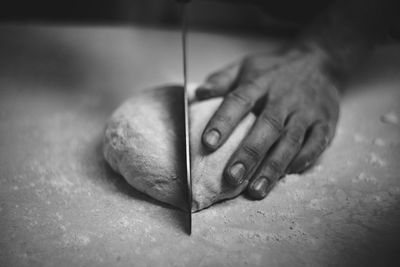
(293, 168)
(211, 139)
(299, 166)
(259, 188)
(235, 174)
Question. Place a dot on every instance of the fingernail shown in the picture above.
(212, 138)
(204, 91)
(237, 173)
(260, 187)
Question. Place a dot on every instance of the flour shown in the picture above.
(143, 141)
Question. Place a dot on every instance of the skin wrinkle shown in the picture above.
(302, 81)
(280, 94)
(241, 99)
(273, 121)
(228, 122)
(295, 136)
(253, 152)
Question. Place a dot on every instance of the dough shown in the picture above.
(144, 139)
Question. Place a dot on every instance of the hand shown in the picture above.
(297, 108)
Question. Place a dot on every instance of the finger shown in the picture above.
(274, 165)
(266, 130)
(235, 106)
(218, 83)
(317, 140)
(191, 91)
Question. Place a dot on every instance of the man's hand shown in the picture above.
(297, 108)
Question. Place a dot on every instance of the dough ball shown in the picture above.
(144, 140)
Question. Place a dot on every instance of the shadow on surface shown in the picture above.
(379, 245)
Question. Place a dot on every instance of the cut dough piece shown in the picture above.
(144, 141)
(208, 184)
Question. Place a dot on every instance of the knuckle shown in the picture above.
(222, 121)
(253, 84)
(240, 99)
(273, 121)
(253, 152)
(275, 166)
(295, 137)
(287, 155)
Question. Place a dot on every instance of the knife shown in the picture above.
(186, 110)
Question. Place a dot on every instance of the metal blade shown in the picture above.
(186, 109)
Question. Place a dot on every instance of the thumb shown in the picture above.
(218, 83)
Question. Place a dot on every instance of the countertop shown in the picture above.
(61, 205)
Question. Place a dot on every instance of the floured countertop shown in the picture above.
(61, 205)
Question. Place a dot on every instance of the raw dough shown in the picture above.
(143, 142)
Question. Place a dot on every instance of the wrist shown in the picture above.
(347, 32)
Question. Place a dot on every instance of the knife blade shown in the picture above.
(186, 110)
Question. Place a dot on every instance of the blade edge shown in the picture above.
(186, 111)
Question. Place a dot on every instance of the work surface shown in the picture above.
(61, 205)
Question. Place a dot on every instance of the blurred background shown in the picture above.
(281, 17)
(285, 15)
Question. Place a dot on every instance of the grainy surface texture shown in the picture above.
(61, 205)
(143, 141)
